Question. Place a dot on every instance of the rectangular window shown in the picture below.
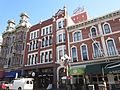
(64, 37)
(59, 25)
(43, 31)
(46, 43)
(50, 56)
(32, 61)
(42, 57)
(47, 30)
(36, 44)
(50, 29)
(50, 40)
(36, 58)
(35, 35)
(46, 57)
(60, 54)
(60, 37)
(31, 36)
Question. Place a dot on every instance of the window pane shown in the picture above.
(84, 52)
(111, 48)
(106, 28)
(60, 38)
(97, 52)
(93, 32)
(74, 54)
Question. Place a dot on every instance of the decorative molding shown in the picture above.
(112, 15)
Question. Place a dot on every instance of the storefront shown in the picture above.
(104, 72)
(78, 77)
(42, 76)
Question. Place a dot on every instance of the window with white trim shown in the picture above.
(42, 58)
(50, 56)
(33, 45)
(46, 41)
(84, 52)
(46, 56)
(61, 37)
(77, 36)
(106, 28)
(46, 30)
(111, 48)
(50, 40)
(97, 50)
(34, 34)
(93, 32)
(32, 59)
(61, 50)
(74, 54)
(60, 53)
(60, 23)
(43, 42)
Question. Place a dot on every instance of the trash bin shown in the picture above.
(91, 87)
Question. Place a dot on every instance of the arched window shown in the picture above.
(74, 54)
(97, 50)
(77, 36)
(84, 52)
(93, 32)
(106, 28)
(111, 48)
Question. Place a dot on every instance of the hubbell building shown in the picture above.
(95, 46)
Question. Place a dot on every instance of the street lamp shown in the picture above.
(66, 62)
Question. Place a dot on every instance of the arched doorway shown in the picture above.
(61, 77)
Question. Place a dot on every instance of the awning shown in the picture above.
(77, 71)
(1, 74)
(13, 73)
(95, 68)
(113, 67)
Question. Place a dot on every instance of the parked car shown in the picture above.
(21, 84)
(3, 85)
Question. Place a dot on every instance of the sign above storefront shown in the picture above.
(77, 71)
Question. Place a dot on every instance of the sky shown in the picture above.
(44, 9)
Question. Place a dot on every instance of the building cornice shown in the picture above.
(97, 20)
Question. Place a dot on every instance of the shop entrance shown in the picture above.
(62, 78)
(43, 81)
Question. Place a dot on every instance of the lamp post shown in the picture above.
(103, 78)
(66, 60)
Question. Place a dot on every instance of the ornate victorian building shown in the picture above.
(13, 45)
